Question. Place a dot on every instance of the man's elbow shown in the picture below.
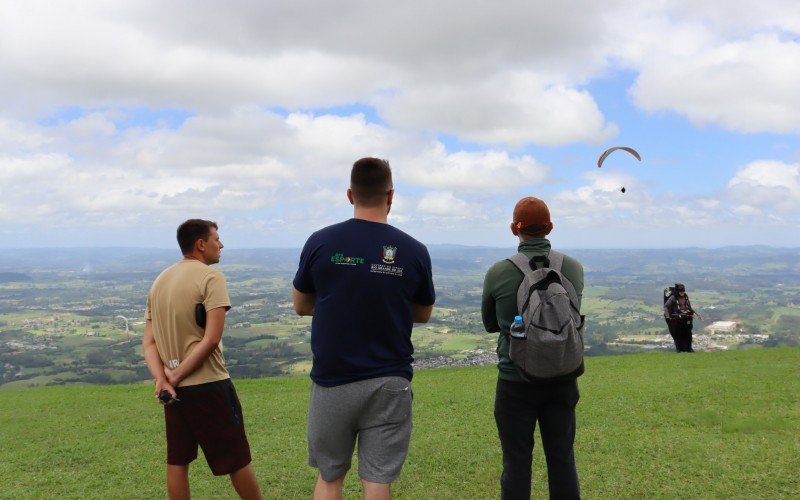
(422, 319)
(212, 340)
(303, 302)
(304, 310)
(422, 314)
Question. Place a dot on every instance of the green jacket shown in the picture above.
(499, 302)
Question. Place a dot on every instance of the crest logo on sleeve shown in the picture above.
(389, 254)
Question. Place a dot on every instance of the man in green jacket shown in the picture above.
(519, 404)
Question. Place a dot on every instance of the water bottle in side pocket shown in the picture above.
(517, 329)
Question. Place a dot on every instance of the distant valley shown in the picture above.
(75, 315)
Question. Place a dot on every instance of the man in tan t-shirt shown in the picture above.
(182, 344)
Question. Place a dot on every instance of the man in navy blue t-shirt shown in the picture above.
(365, 283)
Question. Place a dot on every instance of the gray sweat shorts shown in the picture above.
(376, 412)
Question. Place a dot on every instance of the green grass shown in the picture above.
(788, 311)
(656, 425)
(448, 341)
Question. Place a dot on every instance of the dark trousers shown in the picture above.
(681, 331)
(517, 408)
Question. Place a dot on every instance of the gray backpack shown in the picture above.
(550, 309)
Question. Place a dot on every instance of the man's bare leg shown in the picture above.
(328, 490)
(245, 483)
(178, 482)
(376, 491)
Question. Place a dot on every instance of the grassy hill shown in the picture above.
(707, 425)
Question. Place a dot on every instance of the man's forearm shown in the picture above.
(202, 350)
(150, 351)
(215, 324)
(153, 361)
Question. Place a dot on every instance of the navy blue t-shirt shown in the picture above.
(366, 276)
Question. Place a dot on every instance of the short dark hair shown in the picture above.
(193, 230)
(370, 180)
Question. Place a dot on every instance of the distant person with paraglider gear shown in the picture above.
(520, 404)
(679, 314)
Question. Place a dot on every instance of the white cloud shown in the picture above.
(509, 109)
(92, 125)
(738, 17)
(730, 67)
(603, 194)
(28, 185)
(510, 74)
(709, 204)
(329, 140)
(16, 136)
(488, 172)
(105, 53)
(747, 211)
(742, 85)
(771, 185)
(443, 203)
(764, 193)
(247, 160)
(471, 102)
(601, 206)
(209, 58)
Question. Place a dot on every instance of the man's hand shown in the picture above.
(154, 364)
(164, 385)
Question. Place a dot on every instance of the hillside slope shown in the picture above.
(721, 424)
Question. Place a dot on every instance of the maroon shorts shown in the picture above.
(208, 415)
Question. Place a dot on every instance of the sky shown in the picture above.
(119, 120)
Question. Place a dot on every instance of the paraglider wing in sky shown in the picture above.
(611, 150)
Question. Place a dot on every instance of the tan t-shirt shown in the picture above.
(170, 306)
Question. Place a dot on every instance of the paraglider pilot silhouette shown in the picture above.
(608, 151)
(679, 314)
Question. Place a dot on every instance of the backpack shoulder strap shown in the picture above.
(522, 262)
(556, 260)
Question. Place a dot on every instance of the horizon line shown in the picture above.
(459, 245)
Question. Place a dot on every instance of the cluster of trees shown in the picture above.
(268, 360)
